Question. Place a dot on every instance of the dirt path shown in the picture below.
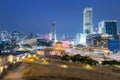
(15, 74)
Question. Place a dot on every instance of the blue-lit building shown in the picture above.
(109, 27)
(4, 36)
(113, 45)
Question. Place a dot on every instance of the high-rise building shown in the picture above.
(87, 20)
(81, 38)
(4, 35)
(53, 32)
(109, 27)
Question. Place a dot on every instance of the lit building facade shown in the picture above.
(109, 27)
(98, 40)
(78, 38)
(17, 35)
(4, 35)
(48, 36)
(87, 21)
(81, 39)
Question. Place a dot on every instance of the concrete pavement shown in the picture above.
(15, 74)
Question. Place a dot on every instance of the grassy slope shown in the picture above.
(73, 72)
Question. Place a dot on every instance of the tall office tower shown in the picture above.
(87, 20)
(109, 27)
(53, 32)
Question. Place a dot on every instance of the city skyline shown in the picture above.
(36, 16)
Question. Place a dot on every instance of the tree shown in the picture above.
(112, 62)
(77, 57)
(65, 57)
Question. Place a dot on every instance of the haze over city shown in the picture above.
(59, 40)
(37, 15)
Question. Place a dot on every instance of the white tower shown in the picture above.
(87, 21)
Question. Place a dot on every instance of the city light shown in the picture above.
(63, 66)
(53, 39)
(88, 66)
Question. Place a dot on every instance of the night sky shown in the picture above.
(37, 15)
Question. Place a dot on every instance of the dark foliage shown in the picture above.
(65, 57)
(112, 62)
(80, 59)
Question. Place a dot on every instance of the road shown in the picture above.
(15, 74)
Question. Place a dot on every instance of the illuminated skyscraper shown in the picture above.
(109, 27)
(53, 32)
(87, 20)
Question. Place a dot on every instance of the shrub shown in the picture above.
(65, 57)
(112, 62)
